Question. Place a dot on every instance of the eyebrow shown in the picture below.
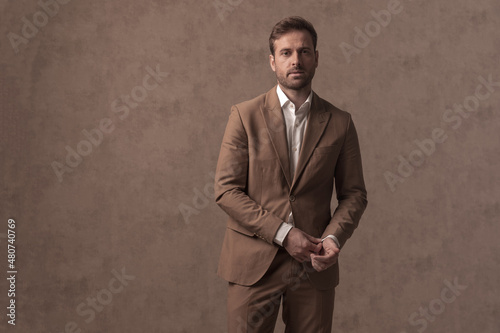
(300, 49)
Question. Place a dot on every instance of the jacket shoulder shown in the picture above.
(335, 111)
(252, 105)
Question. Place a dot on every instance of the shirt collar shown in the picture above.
(284, 99)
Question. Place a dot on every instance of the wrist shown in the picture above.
(333, 239)
(285, 240)
(281, 233)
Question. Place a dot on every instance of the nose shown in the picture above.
(296, 59)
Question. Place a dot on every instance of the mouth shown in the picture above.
(296, 73)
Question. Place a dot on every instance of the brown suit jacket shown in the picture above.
(254, 187)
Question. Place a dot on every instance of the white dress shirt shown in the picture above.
(296, 122)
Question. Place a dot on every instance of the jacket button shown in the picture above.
(292, 197)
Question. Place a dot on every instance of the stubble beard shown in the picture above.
(294, 84)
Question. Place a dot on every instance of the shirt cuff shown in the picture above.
(335, 240)
(283, 230)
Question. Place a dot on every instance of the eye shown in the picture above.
(285, 53)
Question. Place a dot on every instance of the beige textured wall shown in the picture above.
(117, 211)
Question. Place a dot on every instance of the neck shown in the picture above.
(297, 97)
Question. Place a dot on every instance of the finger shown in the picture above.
(316, 262)
(322, 260)
(313, 239)
(318, 247)
(324, 266)
(327, 258)
(315, 248)
(329, 252)
(316, 266)
(323, 256)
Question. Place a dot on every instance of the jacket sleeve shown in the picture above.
(231, 179)
(350, 189)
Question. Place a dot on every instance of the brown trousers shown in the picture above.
(254, 309)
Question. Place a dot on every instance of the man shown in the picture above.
(281, 155)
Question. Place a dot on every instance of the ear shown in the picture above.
(272, 62)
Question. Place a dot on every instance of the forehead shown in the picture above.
(294, 39)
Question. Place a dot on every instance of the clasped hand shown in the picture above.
(303, 247)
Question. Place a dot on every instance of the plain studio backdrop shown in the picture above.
(112, 116)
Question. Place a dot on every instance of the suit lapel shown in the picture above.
(316, 124)
(276, 128)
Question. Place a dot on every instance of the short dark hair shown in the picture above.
(288, 24)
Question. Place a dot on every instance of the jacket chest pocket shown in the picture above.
(323, 161)
(333, 149)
